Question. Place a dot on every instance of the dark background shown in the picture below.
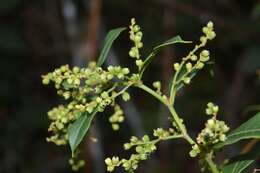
(36, 36)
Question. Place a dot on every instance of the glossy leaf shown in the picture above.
(110, 38)
(240, 163)
(249, 129)
(78, 129)
(151, 56)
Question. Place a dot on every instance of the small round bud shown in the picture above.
(200, 65)
(211, 35)
(194, 58)
(189, 67)
(210, 24)
(132, 53)
(205, 30)
(137, 38)
(176, 66)
(139, 63)
(125, 70)
(45, 81)
(203, 39)
(115, 127)
(205, 53)
(186, 80)
(139, 45)
(157, 84)
(75, 69)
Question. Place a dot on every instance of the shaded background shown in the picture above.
(38, 36)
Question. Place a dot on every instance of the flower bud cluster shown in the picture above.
(76, 163)
(117, 117)
(212, 109)
(214, 131)
(60, 117)
(143, 148)
(86, 89)
(192, 63)
(136, 36)
(209, 32)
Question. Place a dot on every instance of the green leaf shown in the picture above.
(176, 39)
(249, 129)
(151, 56)
(78, 129)
(241, 162)
(110, 38)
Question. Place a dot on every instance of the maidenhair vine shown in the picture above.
(91, 89)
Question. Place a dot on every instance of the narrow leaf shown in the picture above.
(78, 129)
(249, 129)
(176, 39)
(151, 56)
(110, 38)
(240, 163)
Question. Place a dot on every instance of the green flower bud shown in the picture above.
(125, 96)
(127, 146)
(176, 66)
(115, 127)
(194, 58)
(186, 80)
(139, 45)
(46, 81)
(75, 69)
(210, 25)
(200, 65)
(125, 70)
(139, 63)
(211, 35)
(188, 67)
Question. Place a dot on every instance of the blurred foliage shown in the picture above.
(34, 40)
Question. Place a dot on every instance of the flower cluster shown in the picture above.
(192, 62)
(117, 117)
(214, 131)
(86, 89)
(143, 147)
(136, 36)
(75, 162)
(212, 109)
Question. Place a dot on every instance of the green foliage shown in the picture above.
(241, 162)
(90, 90)
(249, 129)
(78, 129)
(110, 38)
(151, 56)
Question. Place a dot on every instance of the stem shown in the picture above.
(212, 165)
(123, 90)
(174, 81)
(174, 114)
(181, 126)
(158, 140)
(153, 93)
